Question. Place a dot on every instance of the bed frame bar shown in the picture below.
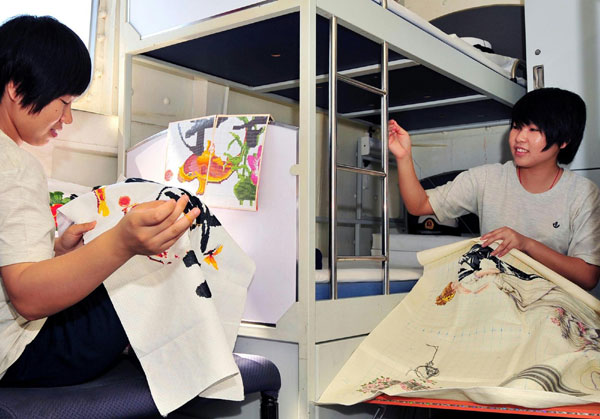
(334, 77)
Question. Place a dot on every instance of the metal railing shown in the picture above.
(334, 78)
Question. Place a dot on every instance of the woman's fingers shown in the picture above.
(501, 249)
(81, 229)
(175, 214)
(494, 236)
(171, 233)
(488, 238)
(153, 213)
(153, 227)
(502, 237)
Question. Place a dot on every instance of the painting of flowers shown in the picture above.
(218, 157)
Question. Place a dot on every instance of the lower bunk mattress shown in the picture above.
(361, 282)
(360, 279)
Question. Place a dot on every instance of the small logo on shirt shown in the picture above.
(556, 225)
(429, 224)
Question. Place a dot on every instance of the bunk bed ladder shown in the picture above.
(334, 77)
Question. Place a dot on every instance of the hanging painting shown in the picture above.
(218, 158)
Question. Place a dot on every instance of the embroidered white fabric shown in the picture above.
(182, 309)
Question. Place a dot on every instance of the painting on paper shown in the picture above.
(218, 158)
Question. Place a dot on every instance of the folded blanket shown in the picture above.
(481, 329)
(181, 309)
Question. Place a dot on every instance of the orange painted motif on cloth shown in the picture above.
(210, 257)
(100, 194)
(125, 204)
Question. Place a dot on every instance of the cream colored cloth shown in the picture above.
(481, 329)
(181, 309)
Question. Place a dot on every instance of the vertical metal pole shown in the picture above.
(385, 236)
(358, 200)
(333, 155)
(307, 187)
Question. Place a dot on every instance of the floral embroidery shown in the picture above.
(206, 167)
(581, 335)
(254, 163)
(381, 383)
(447, 294)
(57, 200)
(378, 384)
(210, 257)
(125, 204)
(100, 194)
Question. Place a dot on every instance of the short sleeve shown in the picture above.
(585, 224)
(26, 223)
(457, 197)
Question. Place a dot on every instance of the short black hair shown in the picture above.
(44, 59)
(559, 114)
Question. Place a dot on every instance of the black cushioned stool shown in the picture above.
(123, 393)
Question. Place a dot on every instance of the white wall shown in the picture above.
(85, 151)
(463, 149)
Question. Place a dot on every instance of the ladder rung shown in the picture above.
(361, 85)
(372, 258)
(360, 170)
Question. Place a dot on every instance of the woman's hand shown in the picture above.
(509, 239)
(398, 140)
(153, 227)
(72, 238)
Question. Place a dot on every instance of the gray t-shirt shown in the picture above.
(26, 235)
(566, 218)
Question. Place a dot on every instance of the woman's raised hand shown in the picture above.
(398, 140)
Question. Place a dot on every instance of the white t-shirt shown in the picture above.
(26, 235)
(566, 218)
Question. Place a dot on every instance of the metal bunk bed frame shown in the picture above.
(301, 325)
(334, 77)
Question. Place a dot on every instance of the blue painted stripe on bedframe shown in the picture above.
(361, 289)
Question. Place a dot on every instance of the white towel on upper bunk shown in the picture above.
(450, 40)
(181, 309)
(481, 329)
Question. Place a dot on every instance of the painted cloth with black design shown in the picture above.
(181, 309)
(566, 218)
(482, 329)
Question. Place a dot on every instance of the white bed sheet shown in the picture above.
(415, 242)
(404, 247)
(452, 40)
